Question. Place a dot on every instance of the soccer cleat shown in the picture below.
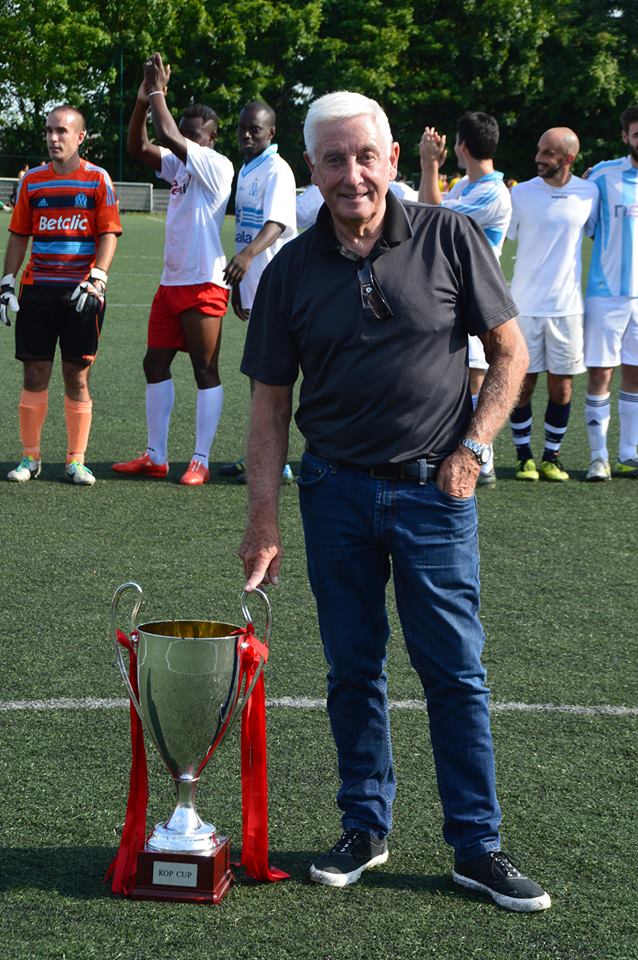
(287, 476)
(626, 468)
(353, 853)
(486, 479)
(526, 470)
(142, 466)
(497, 875)
(599, 469)
(553, 471)
(196, 475)
(233, 469)
(27, 469)
(79, 474)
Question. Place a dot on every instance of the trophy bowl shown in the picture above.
(189, 683)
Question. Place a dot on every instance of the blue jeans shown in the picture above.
(357, 530)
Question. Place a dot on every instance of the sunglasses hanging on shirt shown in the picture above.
(372, 296)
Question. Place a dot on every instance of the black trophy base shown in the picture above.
(184, 877)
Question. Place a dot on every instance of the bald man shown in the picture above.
(549, 214)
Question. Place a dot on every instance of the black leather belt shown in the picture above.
(416, 471)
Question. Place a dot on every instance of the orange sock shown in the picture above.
(78, 415)
(32, 412)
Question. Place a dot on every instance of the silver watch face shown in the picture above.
(480, 450)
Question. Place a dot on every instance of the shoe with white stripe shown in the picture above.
(27, 469)
(354, 852)
(79, 474)
(497, 875)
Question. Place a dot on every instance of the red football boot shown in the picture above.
(142, 467)
(196, 475)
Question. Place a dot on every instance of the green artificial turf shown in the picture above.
(559, 606)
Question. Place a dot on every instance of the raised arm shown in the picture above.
(137, 143)
(432, 153)
(156, 77)
(261, 550)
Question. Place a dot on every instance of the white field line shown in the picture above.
(308, 703)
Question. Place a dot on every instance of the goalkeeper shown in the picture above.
(69, 209)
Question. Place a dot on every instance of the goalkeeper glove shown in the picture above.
(8, 299)
(87, 297)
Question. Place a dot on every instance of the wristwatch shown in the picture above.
(481, 451)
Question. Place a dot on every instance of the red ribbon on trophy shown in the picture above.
(254, 855)
(124, 866)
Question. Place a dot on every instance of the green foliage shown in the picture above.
(532, 63)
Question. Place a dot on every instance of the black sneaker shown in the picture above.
(497, 875)
(353, 853)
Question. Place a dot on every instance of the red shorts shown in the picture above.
(169, 303)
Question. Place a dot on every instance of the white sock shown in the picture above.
(209, 410)
(628, 414)
(159, 404)
(597, 416)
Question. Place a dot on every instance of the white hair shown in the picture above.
(341, 106)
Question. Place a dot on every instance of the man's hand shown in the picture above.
(235, 301)
(458, 473)
(8, 299)
(142, 95)
(88, 296)
(432, 147)
(261, 553)
(236, 268)
(156, 74)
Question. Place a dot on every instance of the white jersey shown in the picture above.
(487, 201)
(310, 201)
(200, 190)
(265, 191)
(613, 271)
(548, 223)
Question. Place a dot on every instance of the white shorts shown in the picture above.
(555, 344)
(611, 331)
(476, 354)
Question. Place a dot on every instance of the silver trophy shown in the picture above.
(188, 677)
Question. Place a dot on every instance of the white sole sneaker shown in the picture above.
(23, 472)
(345, 879)
(518, 904)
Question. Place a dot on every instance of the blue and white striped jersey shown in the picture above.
(613, 271)
(487, 201)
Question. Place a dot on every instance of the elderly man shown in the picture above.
(375, 303)
(549, 214)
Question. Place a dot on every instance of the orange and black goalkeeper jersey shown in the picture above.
(65, 214)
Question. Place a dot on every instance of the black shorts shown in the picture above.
(46, 316)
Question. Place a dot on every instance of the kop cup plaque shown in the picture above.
(191, 691)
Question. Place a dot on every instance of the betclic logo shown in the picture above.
(76, 222)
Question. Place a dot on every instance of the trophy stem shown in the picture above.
(184, 831)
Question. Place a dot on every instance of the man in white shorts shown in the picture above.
(482, 195)
(611, 309)
(265, 220)
(188, 307)
(549, 214)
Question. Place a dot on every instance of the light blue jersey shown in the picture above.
(487, 201)
(613, 271)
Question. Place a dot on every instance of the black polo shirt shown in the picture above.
(375, 390)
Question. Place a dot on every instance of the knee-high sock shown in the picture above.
(208, 413)
(628, 414)
(32, 412)
(521, 424)
(78, 415)
(597, 416)
(556, 420)
(159, 404)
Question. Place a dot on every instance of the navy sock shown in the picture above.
(556, 419)
(521, 424)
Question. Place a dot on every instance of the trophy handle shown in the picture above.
(247, 617)
(129, 585)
